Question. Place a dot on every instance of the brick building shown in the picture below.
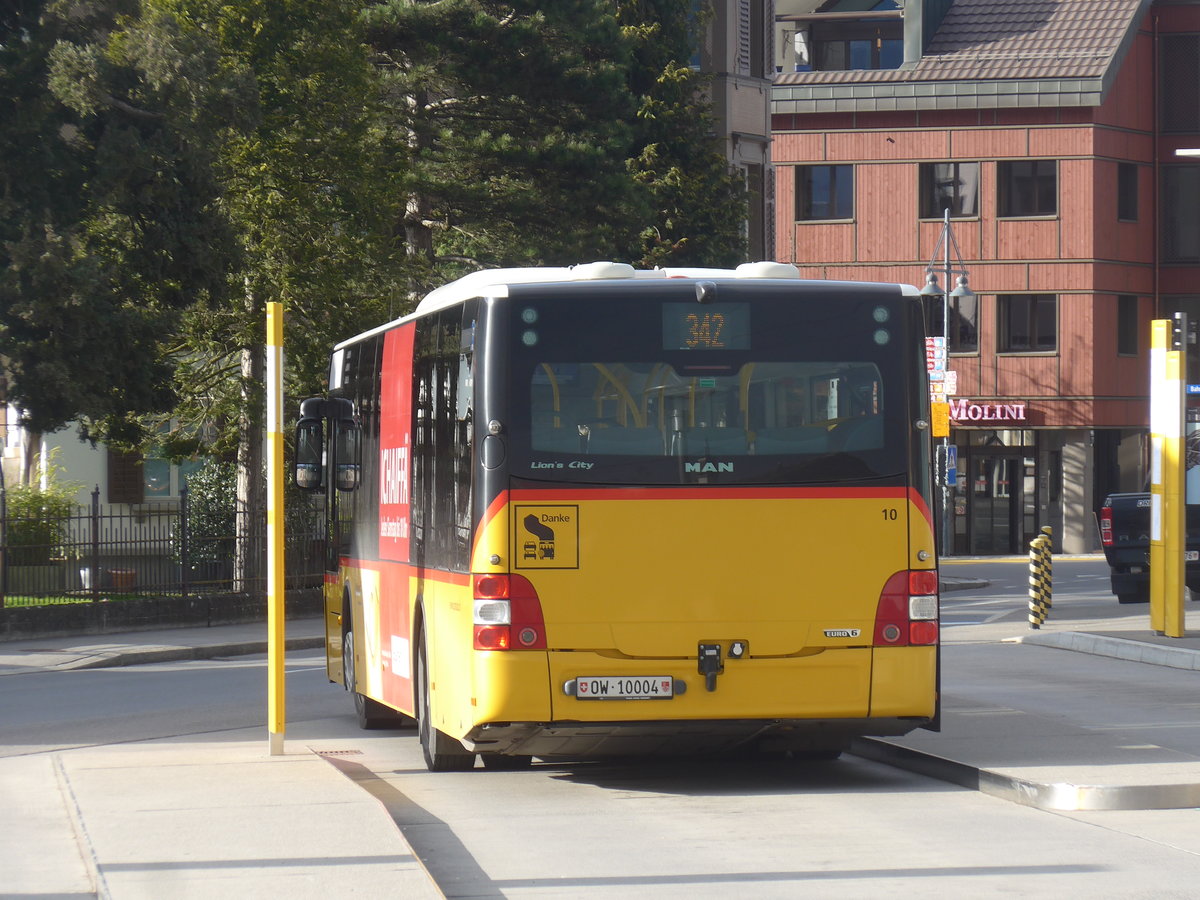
(1049, 131)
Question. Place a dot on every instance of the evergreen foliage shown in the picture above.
(699, 204)
(108, 219)
(169, 166)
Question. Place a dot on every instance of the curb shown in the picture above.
(961, 584)
(1056, 796)
(1117, 648)
(170, 654)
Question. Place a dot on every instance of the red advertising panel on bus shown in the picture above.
(395, 444)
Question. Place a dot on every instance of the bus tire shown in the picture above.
(501, 762)
(371, 715)
(442, 753)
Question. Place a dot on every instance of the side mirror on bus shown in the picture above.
(310, 448)
(309, 471)
(347, 455)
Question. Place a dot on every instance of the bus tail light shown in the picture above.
(1106, 535)
(507, 614)
(907, 613)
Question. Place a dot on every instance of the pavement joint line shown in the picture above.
(83, 840)
(1057, 796)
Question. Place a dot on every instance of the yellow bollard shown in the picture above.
(1040, 566)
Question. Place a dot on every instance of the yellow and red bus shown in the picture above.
(586, 511)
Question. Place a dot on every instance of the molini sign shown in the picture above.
(970, 411)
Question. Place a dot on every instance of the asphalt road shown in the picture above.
(679, 828)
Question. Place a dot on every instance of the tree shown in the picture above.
(515, 120)
(308, 191)
(108, 218)
(699, 203)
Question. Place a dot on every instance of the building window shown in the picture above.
(1179, 82)
(1028, 187)
(848, 43)
(964, 322)
(949, 186)
(1127, 325)
(1180, 224)
(824, 192)
(843, 54)
(1127, 192)
(1028, 323)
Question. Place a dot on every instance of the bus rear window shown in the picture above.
(656, 409)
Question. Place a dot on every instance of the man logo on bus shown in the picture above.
(544, 549)
(708, 467)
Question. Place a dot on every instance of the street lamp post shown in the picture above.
(946, 240)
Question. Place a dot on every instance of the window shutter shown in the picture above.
(744, 38)
(125, 484)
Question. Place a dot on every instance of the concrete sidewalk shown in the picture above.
(201, 816)
(199, 819)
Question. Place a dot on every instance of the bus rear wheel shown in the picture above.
(371, 715)
(442, 753)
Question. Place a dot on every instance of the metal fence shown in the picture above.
(104, 551)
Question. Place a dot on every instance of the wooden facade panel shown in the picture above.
(968, 369)
(785, 211)
(1076, 348)
(886, 274)
(802, 147)
(991, 277)
(886, 212)
(1026, 376)
(1057, 277)
(821, 242)
(1134, 146)
(1177, 18)
(989, 143)
(1125, 279)
(1126, 104)
(1027, 238)
(884, 145)
(967, 232)
(1078, 208)
(1059, 142)
(1134, 413)
(950, 118)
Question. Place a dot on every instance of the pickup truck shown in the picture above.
(1124, 522)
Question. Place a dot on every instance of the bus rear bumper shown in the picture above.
(673, 737)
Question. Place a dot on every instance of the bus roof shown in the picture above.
(495, 282)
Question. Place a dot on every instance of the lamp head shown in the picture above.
(961, 289)
(931, 288)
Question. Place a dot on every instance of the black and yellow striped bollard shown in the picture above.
(1040, 565)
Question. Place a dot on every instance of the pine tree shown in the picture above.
(108, 223)
(515, 118)
(700, 204)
